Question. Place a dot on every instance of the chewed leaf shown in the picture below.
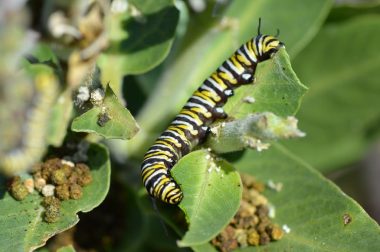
(190, 68)
(277, 89)
(110, 119)
(21, 225)
(212, 192)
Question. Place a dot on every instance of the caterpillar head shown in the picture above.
(271, 44)
(266, 45)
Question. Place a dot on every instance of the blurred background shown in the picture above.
(334, 49)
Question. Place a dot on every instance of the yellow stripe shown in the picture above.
(236, 63)
(160, 185)
(254, 49)
(193, 132)
(162, 156)
(176, 129)
(176, 143)
(147, 173)
(219, 81)
(249, 47)
(207, 95)
(227, 77)
(192, 114)
(204, 96)
(213, 95)
(183, 138)
(204, 113)
(150, 170)
(243, 59)
(164, 143)
(157, 153)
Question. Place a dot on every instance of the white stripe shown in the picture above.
(158, 171)
(260, 43)
(191, 129)
(232, 66)
(252, 56)
(161, 145)
(178, 135)
(215, 84)
(223, 69)
(161, 157)
(157, 182)
(193, 104)
(202, 100)
(209, 89)
(153, 163)
(242, 54)
(173, 192)
(159, 150)
(169, 137)
(189, 118)
(169, 186)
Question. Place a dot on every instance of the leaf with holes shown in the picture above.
(196, 62)
(110, 120)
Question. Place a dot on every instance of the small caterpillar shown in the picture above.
(190, 126)
(34, 139)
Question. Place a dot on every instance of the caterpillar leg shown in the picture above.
(218, 113)
(247, 77)
(228, 92)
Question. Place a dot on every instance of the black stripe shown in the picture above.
(234, 74)
(204, 104)
(257, 48)
(242, 49)
(195, 126)
(185, 148)
(162, 148)
(241, 63)
(153, 179)
(200, 115)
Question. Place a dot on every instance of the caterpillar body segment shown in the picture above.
(190, 126)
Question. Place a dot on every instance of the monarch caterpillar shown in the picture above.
(190, 126)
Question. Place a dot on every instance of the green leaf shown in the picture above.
(22, 227)
(43, 53)
(119, 122)
(340, 112)
(310, 205)
(277, 89)
(346, 11)
(139, 42)
(192, 67)
(212, 192)
(206, 247)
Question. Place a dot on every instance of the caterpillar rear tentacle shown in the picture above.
(191, 125)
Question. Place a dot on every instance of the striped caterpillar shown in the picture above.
(34, 139)
(191, 125)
